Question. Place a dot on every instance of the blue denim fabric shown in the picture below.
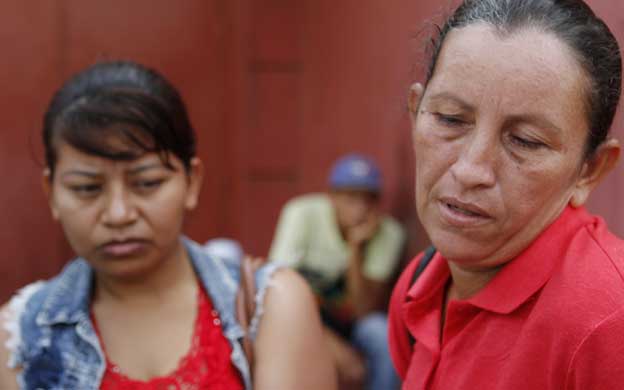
(59, 349)
(370, 336)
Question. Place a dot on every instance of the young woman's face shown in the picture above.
(124, 217)
(499, 139)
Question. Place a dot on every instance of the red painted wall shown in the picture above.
(30, 243)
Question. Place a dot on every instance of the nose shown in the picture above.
(475, 166)
(119, 209)
(360, 208)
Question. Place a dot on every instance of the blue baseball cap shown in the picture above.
(357, 172)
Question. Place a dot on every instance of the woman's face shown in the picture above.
(124, 217)
(499, 138)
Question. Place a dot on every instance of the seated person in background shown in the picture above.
(143, 307)
(348, 251)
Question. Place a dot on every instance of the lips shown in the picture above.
(462, 214)
(123, 248)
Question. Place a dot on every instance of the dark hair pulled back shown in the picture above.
(118, 110)
(575, 24)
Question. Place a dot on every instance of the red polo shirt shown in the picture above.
(553, 318)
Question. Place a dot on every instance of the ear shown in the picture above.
(46, 185)
(416, 93)
(594, 170)
(195, 180)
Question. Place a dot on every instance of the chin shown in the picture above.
(127, 269)
(460, 250)
(458, 256)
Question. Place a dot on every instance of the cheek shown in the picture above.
(433, 159)
(168, 219)
(70, 212)
(166, 211)
(78, 226)
(530, 190)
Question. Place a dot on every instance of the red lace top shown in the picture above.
(207, 364)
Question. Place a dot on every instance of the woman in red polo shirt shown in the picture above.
(510, 129)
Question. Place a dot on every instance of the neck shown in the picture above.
(468, 282)
(171, 277)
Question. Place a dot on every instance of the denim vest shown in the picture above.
(53, 340)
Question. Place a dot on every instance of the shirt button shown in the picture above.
(216, 321)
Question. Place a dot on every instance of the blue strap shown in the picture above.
(426, 259)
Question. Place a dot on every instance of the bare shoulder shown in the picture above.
(289, 300)
(287, 287)
(290, 348)
(8, 376)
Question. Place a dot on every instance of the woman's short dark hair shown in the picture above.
(119, 110)
(575, 24)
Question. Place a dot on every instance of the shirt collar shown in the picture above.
(519, 279)
(423, 305)
(522, 277)
(511, 287)
(217, 277)
(68, 295)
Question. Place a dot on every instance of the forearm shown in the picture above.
(362, 292)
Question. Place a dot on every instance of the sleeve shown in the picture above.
(598, 362)
(288, 244)
(398, 336)
(383, 253)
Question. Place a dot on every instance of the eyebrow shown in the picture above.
(145, 167)
(450, 96)
(94, 175)
(521, 118)
(81, 172)
(537, 120)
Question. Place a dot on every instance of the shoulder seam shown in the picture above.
(584, 339)
(589, 232)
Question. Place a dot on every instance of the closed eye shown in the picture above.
(86, 189)
(148, 184)
(449, 120)
(526, 143)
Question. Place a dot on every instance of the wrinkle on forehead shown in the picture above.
(528, 62)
